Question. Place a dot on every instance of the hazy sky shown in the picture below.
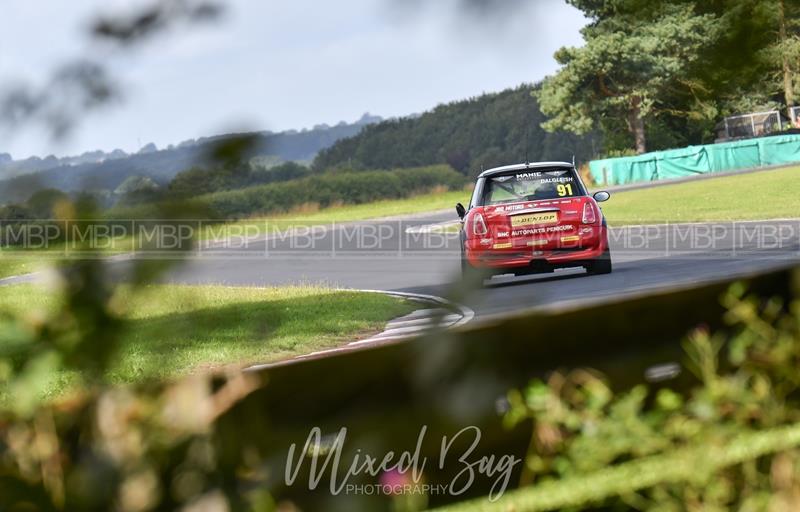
(277, 65)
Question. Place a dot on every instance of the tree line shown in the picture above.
(482, 132)
(655, 75)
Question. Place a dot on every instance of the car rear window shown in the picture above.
(531, 186)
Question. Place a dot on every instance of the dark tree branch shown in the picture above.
(131, 29)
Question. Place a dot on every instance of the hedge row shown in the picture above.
(197, 181)
(332, 188)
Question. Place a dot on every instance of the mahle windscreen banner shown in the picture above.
(678, 163)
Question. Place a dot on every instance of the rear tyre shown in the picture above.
(471, 275)
(601, 265)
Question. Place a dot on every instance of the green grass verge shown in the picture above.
(761, 195)
(15, 260)
(13, 265)
(172, 330)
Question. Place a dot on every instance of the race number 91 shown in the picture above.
(564, 190)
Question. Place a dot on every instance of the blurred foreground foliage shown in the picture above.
(731, 442)
(110, 448)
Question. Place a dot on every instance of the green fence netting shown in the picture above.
(677, 163)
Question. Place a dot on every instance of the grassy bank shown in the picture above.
(170, 330)
(18, 261)
(761, 195)
(13, 265)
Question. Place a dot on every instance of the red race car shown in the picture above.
(532, 218)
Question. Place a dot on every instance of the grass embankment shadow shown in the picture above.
(244, 333)
(173, 330)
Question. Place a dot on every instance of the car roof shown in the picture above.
(522, 167)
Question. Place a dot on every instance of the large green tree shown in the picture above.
(782, 57)
(636, 56)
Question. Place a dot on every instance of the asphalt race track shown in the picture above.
(404, 255)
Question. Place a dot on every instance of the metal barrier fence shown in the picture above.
(751, 125)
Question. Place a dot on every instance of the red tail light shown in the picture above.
(479, 225)
(589, 214)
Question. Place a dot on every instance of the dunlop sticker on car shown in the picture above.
(534, 219)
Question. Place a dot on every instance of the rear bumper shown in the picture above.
(521, 254)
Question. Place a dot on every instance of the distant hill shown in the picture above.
(487, 131)
(98, 170)
(10, 168)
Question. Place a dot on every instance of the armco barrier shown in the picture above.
(386, 395)
(693, 160)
